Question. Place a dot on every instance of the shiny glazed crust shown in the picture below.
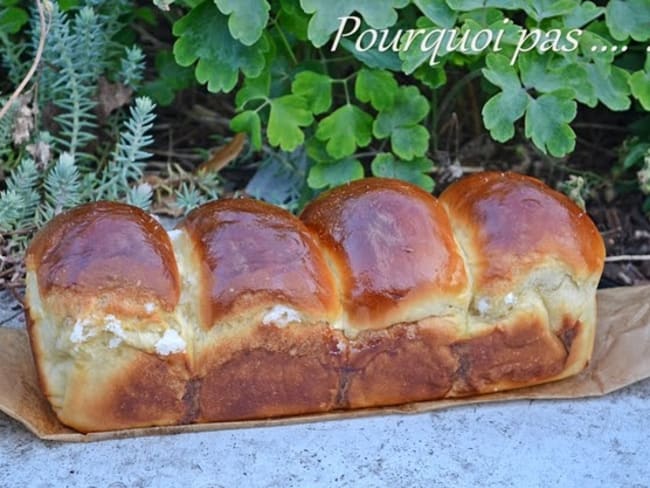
(392, 248)
(379, 294)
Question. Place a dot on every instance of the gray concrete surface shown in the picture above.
(595, 442)
(587, 443)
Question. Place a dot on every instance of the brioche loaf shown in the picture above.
(379, 294)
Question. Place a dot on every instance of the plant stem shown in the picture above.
(451, 95)
(285, 41)
(37, 59)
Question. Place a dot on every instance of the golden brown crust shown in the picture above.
(513, 223)
(256, 255)
(37, 352)
(270, 372)
(405, 363)
(393, 249)
(106, 248)
(426, 361)
(515, 355)
(139, 390)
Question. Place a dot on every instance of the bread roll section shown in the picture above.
(535, 260)
(102, 295)
(392, 247)
(379, 294)
(403, 286)
(262, 342)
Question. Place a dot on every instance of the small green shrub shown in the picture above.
(50, 151)
(62, 157)
(79, 51)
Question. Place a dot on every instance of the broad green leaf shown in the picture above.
(247, 20)
(293, 19)
(282, 70)
(590, 44)
(400, 123)
(546, 73)
(377, 87)
(344, 130)
(288, 114)
(507, 33)
(432, 76)
(500, 73)
(204, 37)
(254, 89)
(388, 166)
(12, 19)
(438, 12)
(317, 151)
(250, 123)
(547, 122)
(636, 155)
(610, 84)
(582, 15)
(410, 142)
(326, 15)
(502, 111)
(629, 18)
(483, 16)
(147, 15)
(544, 9)
(176, 76)
(464, 5)
(315, 88)
(504, 4)
(415, 52)
(171, 79)
(329, 175)
(640, 86)
(373, 58)
(66, 5)
(408, 110)
(159, 91)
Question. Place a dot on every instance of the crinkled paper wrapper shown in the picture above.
(621, 357)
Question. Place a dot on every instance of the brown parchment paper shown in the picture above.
(621, 357)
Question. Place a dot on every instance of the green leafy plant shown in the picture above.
(644, 179)
(635, 160)
(127, 162)
(372, 104)
(171, 79)
(56, 150)
(31, 198)
(6, 127)
(12, 16)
